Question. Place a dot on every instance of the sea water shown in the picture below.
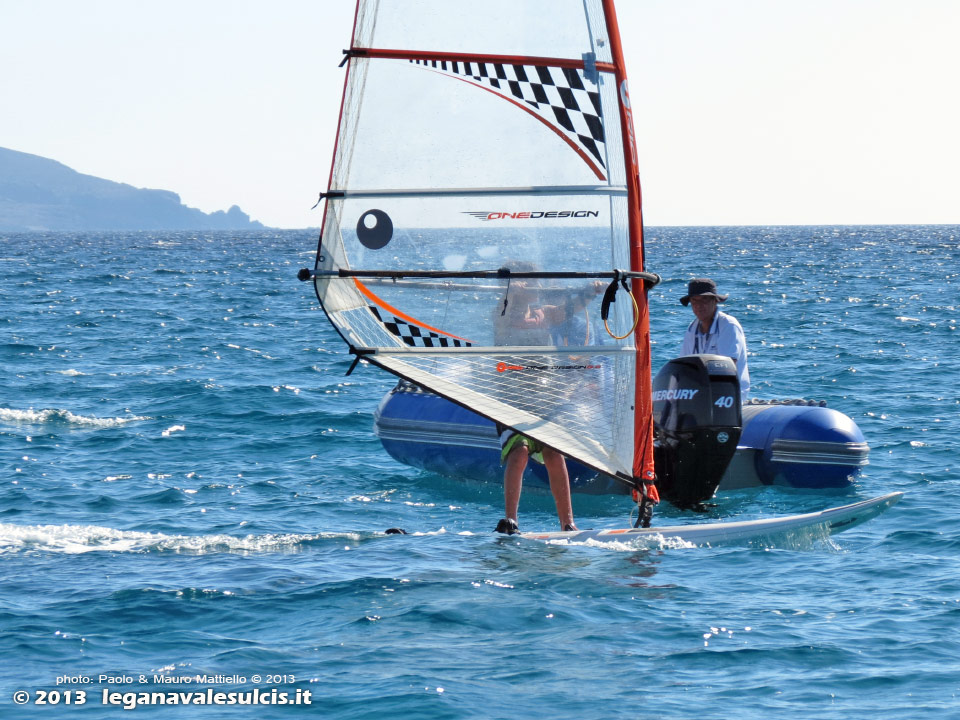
(192, 498)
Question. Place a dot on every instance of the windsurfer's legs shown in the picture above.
(516, 451)
(556, 466)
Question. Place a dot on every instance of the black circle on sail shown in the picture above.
(378, 234)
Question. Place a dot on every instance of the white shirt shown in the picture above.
(724, 338)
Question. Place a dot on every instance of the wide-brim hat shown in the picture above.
(700, 287)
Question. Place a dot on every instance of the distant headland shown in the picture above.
(37, 193)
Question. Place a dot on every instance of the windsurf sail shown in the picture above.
(482, 210)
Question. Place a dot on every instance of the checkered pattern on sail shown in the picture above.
(559, 95)
(414, 335)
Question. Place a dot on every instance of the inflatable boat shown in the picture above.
(705, 440)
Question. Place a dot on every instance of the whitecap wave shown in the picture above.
(72, 539)
(76, 539)
(50, 416)
(643, 542)
(428, 533)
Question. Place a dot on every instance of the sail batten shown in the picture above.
(491, 350)
(374, 193)
(451, 57)
(489, 200)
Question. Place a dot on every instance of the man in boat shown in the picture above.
(520, 319)
(714, 332)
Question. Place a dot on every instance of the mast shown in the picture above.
(643, 404)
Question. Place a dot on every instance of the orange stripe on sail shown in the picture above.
(367, 293)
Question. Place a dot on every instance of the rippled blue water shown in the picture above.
(191, 485)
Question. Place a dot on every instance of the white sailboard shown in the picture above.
(829, 521)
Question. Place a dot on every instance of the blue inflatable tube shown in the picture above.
(802, 445)
(792, 443)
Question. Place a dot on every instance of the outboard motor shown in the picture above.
(697, 423)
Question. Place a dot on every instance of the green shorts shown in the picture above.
(509, 440)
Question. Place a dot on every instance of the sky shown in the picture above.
(748, 112)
